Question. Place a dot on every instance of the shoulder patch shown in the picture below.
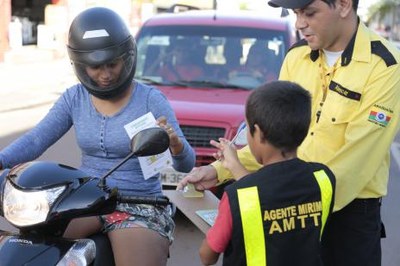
(378, 48)
(380, 115)
(314, 54)
(302, 42)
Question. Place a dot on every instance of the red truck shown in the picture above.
(207, 62)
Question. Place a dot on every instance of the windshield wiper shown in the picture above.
(150, 80)
(210, 84)
(194, 83)
(156, 81)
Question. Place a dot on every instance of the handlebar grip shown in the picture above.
(152, 200)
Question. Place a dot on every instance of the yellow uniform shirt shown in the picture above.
(359, 117)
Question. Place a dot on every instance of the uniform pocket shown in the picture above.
(339, 108)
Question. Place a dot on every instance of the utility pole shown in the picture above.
(215, 4)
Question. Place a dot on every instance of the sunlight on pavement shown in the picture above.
(28, 89)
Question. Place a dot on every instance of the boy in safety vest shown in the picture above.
(274, 216)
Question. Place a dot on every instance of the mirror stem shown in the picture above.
(103, 179)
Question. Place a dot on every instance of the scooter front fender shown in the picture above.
(31, 250)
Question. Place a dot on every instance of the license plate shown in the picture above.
(170, 177)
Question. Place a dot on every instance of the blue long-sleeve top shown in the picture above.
(102, 139)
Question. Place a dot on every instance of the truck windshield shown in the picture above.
(237, 56)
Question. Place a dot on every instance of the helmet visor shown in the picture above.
(105, 77)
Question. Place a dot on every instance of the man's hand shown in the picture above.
(202, 178)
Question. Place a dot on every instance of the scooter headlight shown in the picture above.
(24, 208)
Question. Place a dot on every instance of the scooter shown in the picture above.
(40, 198)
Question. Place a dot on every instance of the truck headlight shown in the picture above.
(24, 208)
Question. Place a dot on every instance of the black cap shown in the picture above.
(290, 4)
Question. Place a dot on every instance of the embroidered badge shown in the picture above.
(379, 117)
(336, 87)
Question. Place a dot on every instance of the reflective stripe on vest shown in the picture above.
(325, 187)
(252, 223)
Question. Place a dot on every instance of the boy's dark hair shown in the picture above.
(282, 110)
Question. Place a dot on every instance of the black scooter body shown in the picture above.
(34, 250)
(42, 243)
(82, 197)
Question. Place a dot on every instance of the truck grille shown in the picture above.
(201, 136)
(204, 160)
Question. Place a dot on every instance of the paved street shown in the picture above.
(27, 91)
(32, 83)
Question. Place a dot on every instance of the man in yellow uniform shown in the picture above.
(354, 78)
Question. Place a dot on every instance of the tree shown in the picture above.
(384, 13)
(382, 9)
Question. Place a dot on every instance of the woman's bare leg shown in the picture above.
(83, 227)
(139, 246)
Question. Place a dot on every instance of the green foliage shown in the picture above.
(382, 8)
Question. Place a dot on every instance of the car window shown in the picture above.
(239, 56)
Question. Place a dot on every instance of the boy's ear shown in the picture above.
(258, 134)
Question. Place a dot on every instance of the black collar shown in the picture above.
(347, 53)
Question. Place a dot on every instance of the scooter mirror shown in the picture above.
(150, 141)
(147, 142)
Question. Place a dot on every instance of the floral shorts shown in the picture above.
(128, 215)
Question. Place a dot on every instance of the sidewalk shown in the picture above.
(29, 85)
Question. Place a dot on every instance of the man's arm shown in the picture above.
(361, 161)
(366, 147)
(208, 176)
(202, 178)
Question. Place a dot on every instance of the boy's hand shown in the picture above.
(227, 154)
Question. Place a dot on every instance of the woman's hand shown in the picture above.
(175, 144)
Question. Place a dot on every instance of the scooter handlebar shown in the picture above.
(152, 200)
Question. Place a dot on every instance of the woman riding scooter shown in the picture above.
(103, 55)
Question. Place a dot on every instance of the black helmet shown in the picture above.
(97, 36)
